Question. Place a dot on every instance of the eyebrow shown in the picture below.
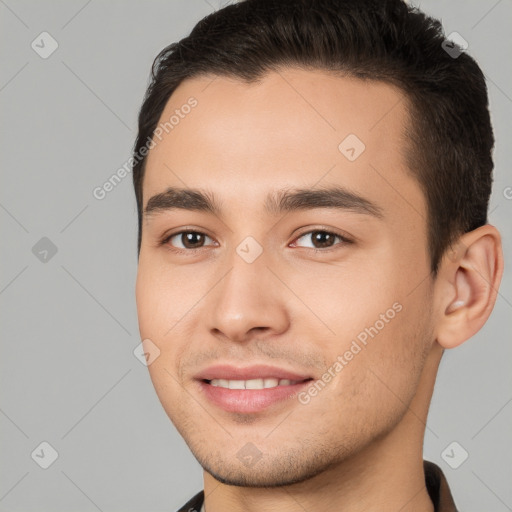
(276, 202)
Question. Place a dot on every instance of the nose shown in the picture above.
(248, 302)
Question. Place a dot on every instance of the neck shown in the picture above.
(386, 476)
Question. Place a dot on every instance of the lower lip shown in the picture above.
(249, 400)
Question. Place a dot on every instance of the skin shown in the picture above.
(357, 444)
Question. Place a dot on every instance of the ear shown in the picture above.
(467, 285)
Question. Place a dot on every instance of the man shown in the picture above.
(312, 181)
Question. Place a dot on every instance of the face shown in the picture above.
(287, 298)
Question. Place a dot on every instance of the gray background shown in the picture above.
(68, 324)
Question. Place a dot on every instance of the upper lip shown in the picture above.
(229, 372)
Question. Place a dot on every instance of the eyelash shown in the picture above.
(344, 240)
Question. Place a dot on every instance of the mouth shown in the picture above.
(266, 383)
(251, 389)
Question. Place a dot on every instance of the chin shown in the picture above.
(282, 470)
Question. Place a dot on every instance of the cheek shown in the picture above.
(348, 300)
(162, 298)
(163, 301)
(382, 335)
(149, 295)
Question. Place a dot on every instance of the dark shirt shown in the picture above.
(435, 481)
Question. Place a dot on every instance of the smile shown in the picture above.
(250, 389)
(252, 383)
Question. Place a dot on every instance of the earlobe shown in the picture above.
(467, 285)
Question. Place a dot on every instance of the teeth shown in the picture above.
(270, 383)
(252, 383)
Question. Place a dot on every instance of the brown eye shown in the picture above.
(320, 239)
(188, 240)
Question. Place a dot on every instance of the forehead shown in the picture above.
(290, 128)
